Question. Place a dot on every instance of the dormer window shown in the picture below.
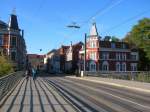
(113, 45)
(124, 46)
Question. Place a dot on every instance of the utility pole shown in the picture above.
(85, 54)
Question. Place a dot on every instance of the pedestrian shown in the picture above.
(33, 73)
(27, 74)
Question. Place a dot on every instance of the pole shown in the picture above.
(85, 55)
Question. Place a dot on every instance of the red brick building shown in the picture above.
(106, 55)
(36, 61)
(12, 43)
(72, 57)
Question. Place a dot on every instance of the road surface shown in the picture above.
(96, 97)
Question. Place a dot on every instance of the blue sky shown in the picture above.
(45, 21)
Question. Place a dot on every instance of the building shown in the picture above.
(72, 57)
(65, 59)
(53, 61)
(107, 55)
(36, 61)
(12, 43)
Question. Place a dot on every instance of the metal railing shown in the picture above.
(143, 76)
(8, 82)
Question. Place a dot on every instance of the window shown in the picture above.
(124, 67)
(117, 56)
(13, 41)
(1, 40)
(117, 66)
(13, 56)
(105, 56)
(93, 55)
(92, 44)
(133, 57)
(133, 66)
(105, 66)
(123, 56)
(124, 46)
(113, 45)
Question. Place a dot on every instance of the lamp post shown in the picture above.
(85, 54)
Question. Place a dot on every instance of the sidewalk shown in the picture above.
(134, 85)
(35, 96)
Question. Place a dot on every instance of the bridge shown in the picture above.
(68, 94)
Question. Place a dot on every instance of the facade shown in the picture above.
(36, 61)
(72, 57)
(65, 59)
(106, 55)
(53, 61)
(12, 43)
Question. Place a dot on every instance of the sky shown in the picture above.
(45, 21)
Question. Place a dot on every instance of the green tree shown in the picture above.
(5, 66)
(139, 37)
(115, 39)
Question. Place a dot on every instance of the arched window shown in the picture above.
(105, 66)
(118, 66)
(92, 66)
(123, 66)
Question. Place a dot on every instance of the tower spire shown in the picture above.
(13, 22)
(14, 11)
(93, 31)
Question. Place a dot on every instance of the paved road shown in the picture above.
(36, 96)
(94, 97)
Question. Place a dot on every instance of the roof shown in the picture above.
(3, 24)
(53, 50)
(13, 22)
(93, 30)
(35, 56)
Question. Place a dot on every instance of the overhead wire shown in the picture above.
(127, 20)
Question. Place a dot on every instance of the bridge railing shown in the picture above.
(8, 82)
(143, 76)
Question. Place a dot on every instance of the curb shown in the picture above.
(112, 84)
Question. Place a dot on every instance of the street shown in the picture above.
(66, 94)
(89, 96)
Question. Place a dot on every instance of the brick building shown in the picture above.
(72, 57)
(106, 55)
(64, 59)
(12, 43)
(36, 61)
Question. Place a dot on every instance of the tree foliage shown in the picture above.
(5, 66)
(139, 36)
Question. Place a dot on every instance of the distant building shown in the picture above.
(12, 43)
(53, 61)
(36, 61)
(64, 59)
(106, 55)
(72, 57)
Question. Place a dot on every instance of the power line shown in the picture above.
(127, 20)
(101, 11)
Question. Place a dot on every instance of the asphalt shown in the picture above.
(99, 97)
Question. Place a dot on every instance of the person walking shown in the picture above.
(33, 73)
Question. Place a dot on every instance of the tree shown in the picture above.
(5, 66)
(139, 37)
(115, 39)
